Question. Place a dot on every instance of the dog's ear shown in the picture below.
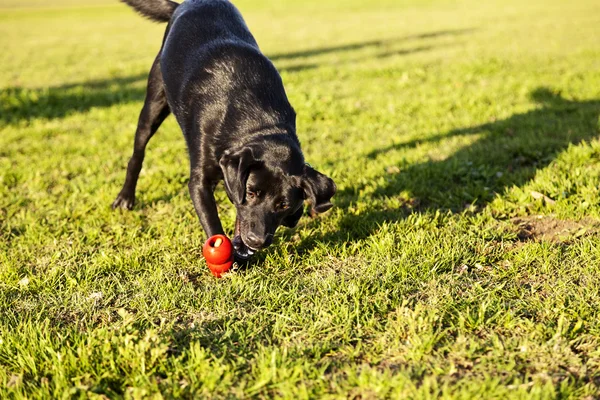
(236, 167)
(318, 189)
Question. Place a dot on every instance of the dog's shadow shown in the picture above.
(507, 153)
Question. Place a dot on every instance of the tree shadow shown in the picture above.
(23, 104)
(371, 43)
(385, 49)
(507, 153)
(300, 67)
(18, 104)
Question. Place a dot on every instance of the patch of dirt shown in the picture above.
(548, 228)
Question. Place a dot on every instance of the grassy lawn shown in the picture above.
(462, 258)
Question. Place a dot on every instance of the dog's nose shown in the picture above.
(254, 241)
(257, 242)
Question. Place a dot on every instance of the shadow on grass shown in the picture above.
(25, 104)
(19, 104)
(385, 49)
(507, 153)
(362, 45)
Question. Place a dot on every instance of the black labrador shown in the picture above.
(239, 126)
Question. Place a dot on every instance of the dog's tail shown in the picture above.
(156, 10)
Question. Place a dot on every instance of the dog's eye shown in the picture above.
(252, 195)
(282, 205)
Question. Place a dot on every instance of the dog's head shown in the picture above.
(268, 186)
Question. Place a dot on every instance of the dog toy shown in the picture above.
(218, 252)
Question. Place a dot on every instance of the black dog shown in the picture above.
(230, 103)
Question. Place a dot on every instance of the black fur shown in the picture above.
(230, 103)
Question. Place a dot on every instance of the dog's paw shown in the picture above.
(124, 201)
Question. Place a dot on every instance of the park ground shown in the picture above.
(461, 260)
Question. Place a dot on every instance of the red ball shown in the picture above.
(218, 270)
(218, 252)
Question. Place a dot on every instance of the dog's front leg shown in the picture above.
(202, 193)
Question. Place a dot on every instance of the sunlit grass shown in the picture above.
(441, 123)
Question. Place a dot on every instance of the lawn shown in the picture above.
(461, 259)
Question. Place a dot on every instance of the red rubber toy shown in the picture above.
(218, 252)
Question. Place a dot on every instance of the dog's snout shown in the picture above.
(254, 241)
(257, 242)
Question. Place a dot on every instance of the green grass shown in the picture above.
(444, 124)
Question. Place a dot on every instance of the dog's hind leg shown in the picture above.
(154, 112)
